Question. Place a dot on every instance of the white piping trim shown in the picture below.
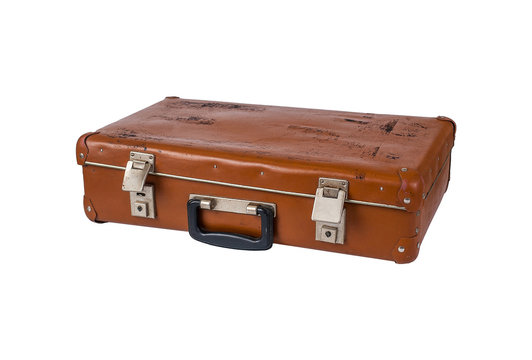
(291, 193)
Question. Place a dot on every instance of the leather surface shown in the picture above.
(278, 148)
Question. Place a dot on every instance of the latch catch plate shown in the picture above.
(142, 202)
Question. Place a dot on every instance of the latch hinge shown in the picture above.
(328, 211)
(141, 195)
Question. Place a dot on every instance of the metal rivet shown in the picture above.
(381, 188)
(322, 181)
(101, 150)
(343, 183)
(423, 196)
(131, 155)
(404, 169)
(215, 166)
(151, 157)
(406, 200)
(81, 155)
(139, 208)
(89, 209)
(417, 231)
(262, 172)
(328, 234)
(401, 249)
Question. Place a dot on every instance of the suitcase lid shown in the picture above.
(387, 160)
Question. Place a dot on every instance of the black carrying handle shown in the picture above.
(232, 240)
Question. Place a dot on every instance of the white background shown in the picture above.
(72, 289)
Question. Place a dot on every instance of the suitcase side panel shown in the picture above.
(370, 231)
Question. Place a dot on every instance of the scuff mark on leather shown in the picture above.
(213, 105)
(131, 134)
(360, 122)
(360, 175)
(371, 152)
(125, 133)
(354, 145)
(388, 127)
(375, 151)
(196, 120)
(406, 134)
(313, 130)
(419, 125)
(392, 156)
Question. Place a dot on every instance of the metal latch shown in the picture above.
(141, 195)
(328, 211)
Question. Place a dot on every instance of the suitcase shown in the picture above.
(245, 176)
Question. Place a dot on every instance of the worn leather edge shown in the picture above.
(412, 187)
(412, 183)
(410, 253)
(449, 174)
(451, 121)
(89, 209)
(82, 149)
(82, 152)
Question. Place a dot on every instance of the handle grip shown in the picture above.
(232, 240)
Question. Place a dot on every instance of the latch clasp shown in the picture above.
(137, 169)
(328, 211)
(141, 195)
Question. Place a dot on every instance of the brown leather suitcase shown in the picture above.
(244, 176)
